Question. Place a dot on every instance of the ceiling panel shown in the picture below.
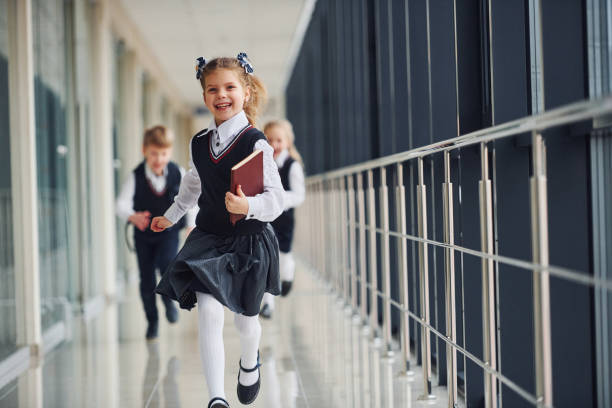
(179, 31)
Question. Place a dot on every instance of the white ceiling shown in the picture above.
(179, 31)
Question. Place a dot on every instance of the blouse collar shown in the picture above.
(230, 127)
(151, 174)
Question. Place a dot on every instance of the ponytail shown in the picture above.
(256, 100)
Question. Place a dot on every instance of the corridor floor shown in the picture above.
(314, 354)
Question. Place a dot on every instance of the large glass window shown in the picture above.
(8, 333)
(50, 82)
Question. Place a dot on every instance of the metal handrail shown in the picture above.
(337, 188)
(564, 115)
(557, 271)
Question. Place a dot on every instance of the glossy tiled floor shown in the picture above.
(313, 353)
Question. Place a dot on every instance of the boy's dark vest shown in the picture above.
(215, 172)
(285, 223)
(147, 199)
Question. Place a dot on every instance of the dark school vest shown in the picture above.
(285, 223)
(215, 172)
(147, 199)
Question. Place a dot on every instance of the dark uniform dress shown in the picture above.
(235, 264)
(155, 250)
(285, 223)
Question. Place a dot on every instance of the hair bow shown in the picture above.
(200, 62)
(245, 63)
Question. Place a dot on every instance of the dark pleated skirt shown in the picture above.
(236, 270)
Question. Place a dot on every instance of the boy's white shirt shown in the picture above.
(297, 191)
(124, 204)
(265, 207)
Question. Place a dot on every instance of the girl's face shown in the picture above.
(277, 139)
(224, 94)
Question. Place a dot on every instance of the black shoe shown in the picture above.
(286, 287)
(218, 402)
(152, 331)
(266, 312)
(248, 393)
(172, 313)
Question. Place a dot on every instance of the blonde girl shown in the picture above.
(222, 265)
(281, 137)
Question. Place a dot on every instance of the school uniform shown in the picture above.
(235, 264)
(146, 191)
(292, 178)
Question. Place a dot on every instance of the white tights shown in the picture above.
(212, 352)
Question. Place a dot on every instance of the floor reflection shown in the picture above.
(150, 384)
(280, 388)
(315, 353)
(170, 386)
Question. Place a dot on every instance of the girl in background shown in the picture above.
(281, 137)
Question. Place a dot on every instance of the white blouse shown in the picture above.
(297, 191)
(124, 205)
(265, 207)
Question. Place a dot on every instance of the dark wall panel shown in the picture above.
(419, 77)
(565, 81)
(376, 77)
(510, 99)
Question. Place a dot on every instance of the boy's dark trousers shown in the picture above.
(154, 250)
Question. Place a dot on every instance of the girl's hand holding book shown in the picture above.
(236, 203)
(160, 223)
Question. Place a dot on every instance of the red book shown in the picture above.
(248, 174)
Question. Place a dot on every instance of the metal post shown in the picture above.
(343, 240)
(363, 302)
(339, 238)
(424, 282)
(449, 263)
(386, 261)
(313, 212)
(334, 244)
(311, 229)
(307, 238)
(488, 279)
(541, 285)
(372, 254)
(402, 262)
(321, 229)
(325, 230)
(352, 247)
(316, 226)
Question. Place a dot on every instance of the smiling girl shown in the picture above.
(222, 265)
